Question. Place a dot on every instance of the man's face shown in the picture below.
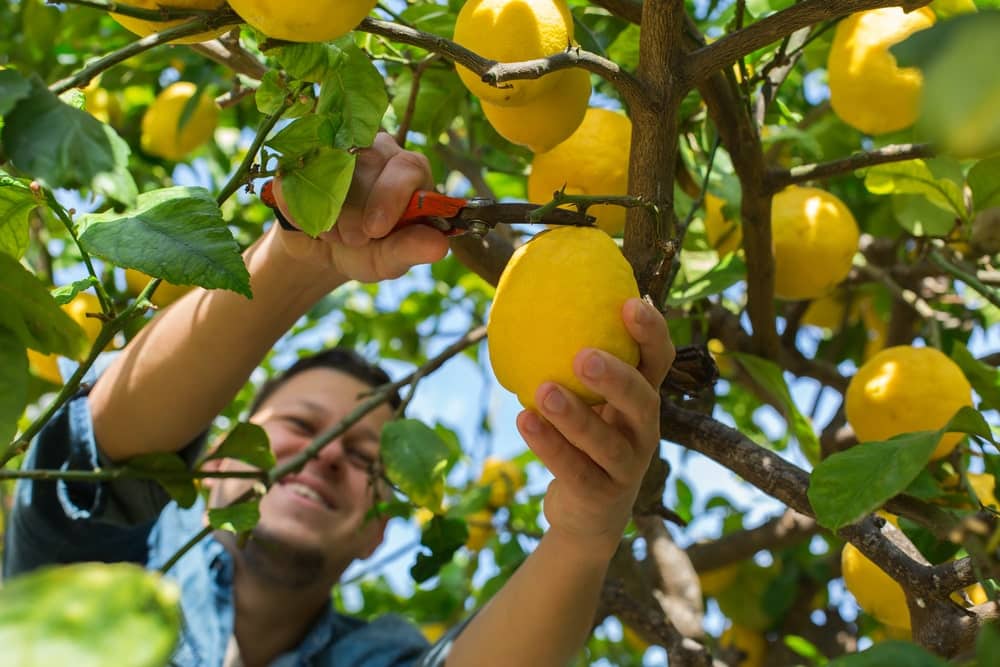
(320, 511)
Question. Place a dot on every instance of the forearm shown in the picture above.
(191, 360)
(543, 614)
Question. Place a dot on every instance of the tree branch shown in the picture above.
(780, 178)
(725, 51)
(780, 532)
(496, 73)
(630, 10)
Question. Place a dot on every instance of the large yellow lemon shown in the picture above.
(504, 478)
(143, 27)
(593, 161)
(903, 389)
(562, 291)
(724, 235)
(749, 642)
(548, 119)
(512, 31)
(868, 90)
(303, 20)
(875, 591)
(162, 134)
(815, 237)
(164, 295)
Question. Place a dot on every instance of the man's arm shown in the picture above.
(543, 615)
(191, 360)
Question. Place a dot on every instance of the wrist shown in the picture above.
(595, 550)
(293, 264)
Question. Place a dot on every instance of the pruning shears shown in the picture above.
(457, 215)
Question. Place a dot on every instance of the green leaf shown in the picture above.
(805, 648)
(305, 134)
(984, 181)
(13, 89)
(177, 234)
(915, 177)
(985, 379)
(248, 443)
(961, 88)
(356, 90)
(17, 202)
(917, 215)
(769, 376)
(315, 191)
(81, 614)
(169, 471)
(13, 383)
(726, 273)
(415, 459)
(308, 62)
(443, 537)
(988, 643)
(32, 315)
(271, 92)
(238, 518)
(890, 653)
(65, 294)
(63, 147)
(439, 99)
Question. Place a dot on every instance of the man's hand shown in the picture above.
(360, 246)
(599, 454)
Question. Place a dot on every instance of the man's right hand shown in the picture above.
(362, 245)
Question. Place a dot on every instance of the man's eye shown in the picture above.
(297, 424)
(362, 459)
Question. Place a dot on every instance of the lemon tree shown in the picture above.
(809, 191)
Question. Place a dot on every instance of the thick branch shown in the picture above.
(630, 10)
(722, 53)
(235, 57)
(678, 591)
(496, 73)
(780, 178)
(780, 532)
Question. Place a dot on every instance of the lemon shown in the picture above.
(102, 104)
(44, 366)
(725, 236)
(560, 292)
(162, 134)
(715, 581)
(512, 31)
(903, 389)
(876, 330)
(593, 161)
(504, 478)
(548, 119)
(875, 591)
(164, 295)
(78, 308)
(831, 311)
(303, 20)
(723, 361)
(985, 487)
(815, 237)
(868, 90)
(143, 27)
(481, 529)
(750, 642)
(433, 631)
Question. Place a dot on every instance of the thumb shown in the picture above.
(415, 244)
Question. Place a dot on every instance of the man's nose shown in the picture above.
(331, 455)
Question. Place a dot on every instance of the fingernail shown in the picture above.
(554, 401)
(642, 314)
(531, 423)
(593, 366)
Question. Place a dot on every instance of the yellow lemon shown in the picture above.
(44, 366)
(903, 389)
(78, 308)
(433, 631)
(562, 291)
(162, 134)
(164, 295)
(725, 236)
(423, 516)
(512, 31)
(481, 529)
(831, 311)
(985, 487)
(504, 478)
(868, 89)
(876, 329)
(303, 20)
(102, 104)
(715, 581)
(875, 591)
(723, 361)
(548, 119)
(749, 642)
(815, 237)
(143, 27)
(593, 161)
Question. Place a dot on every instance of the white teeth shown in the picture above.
(305, 492)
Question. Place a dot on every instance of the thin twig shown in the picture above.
(780, 178)
(63, 215)
(161, 13)
(411, 103)
(966, 277)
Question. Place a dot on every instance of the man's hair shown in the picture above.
(340, 359)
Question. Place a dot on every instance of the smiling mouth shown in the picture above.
(306, 492)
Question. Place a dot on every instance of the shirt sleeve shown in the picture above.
(57, 521)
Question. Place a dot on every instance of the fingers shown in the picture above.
(656, 351)
(385, 176)
(564, 460)
(393, 256)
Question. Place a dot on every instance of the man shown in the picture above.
(267, 602)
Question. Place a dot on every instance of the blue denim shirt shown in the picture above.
(135, 521)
